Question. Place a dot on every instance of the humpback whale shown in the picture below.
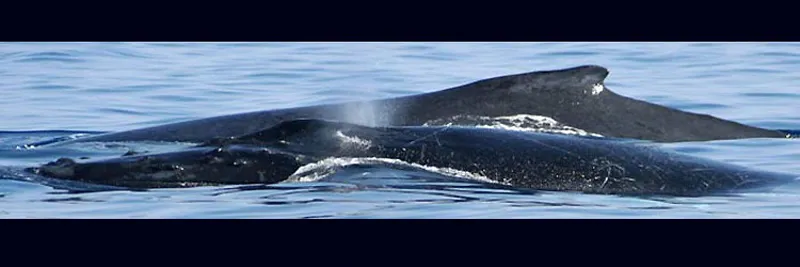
(539, 161)
(576, 97)
(430, 129)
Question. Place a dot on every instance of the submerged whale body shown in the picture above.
(539, 161)
(576, 97)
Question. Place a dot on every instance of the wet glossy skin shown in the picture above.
(523, 160)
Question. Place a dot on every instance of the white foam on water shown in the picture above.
(318, 170)
(54, 140)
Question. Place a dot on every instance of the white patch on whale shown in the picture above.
(355, 140)
(519, 122)
(597, 88)
(318, 170)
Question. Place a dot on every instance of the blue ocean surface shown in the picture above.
(62, 90)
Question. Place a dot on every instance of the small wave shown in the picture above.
(61, 135)
(439, 56)
(520, 122)
(573, 53)
(321, 169)
(123, 111)
(68, 137)
(65, 136)
(64, 57)
(769, 94)
(49, 132)
(277, 75)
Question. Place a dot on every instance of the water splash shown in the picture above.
(319, 170)
(366, 110)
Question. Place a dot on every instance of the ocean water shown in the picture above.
(57, 90)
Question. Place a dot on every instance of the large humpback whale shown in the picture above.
(539, 161)
(576, 97)
(271, 146)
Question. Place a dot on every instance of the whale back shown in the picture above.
(575, 96)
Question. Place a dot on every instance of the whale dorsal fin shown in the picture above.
(585, 79)
(580, 75)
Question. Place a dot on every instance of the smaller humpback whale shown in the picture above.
(576, 97)
(539, 161)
